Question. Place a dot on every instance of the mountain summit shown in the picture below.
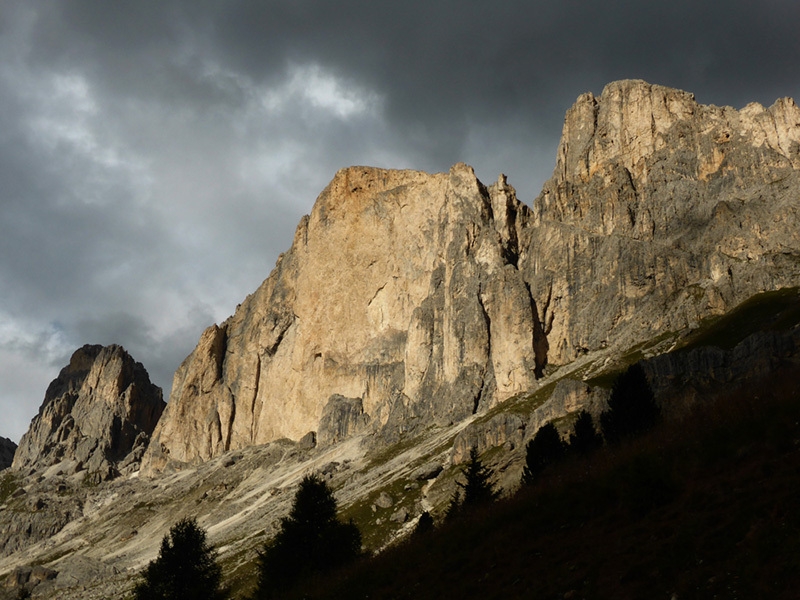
(96, 417)
(401, 289)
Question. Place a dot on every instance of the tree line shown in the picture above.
(632, 410)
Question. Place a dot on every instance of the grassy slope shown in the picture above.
(777, 310)
(703, 508)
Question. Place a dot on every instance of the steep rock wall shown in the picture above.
(661, 211)
(431, 297)
(400, 289)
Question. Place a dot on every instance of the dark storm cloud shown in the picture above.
(155, 157)
(442, 67)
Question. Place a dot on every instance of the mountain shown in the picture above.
(400, 290)
(416, 316)
(96, 417)
(433, 297)
(7, 449)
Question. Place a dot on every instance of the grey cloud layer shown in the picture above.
(156, 157)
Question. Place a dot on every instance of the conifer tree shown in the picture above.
(478, 487)
(454, 507)
(311, 540)
(542, 450)
(584, 438)
(632, 407)
(425, 524)
(186, 568)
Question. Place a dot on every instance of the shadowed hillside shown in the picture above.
(704, 507)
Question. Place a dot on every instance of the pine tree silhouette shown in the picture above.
(425, 524)
(584, 438)
(311, 540)
(478, 487)
(454, 506)
(632, 407)
(186, 568)
(542, 450)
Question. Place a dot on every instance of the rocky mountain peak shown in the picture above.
(426, 298)
(633, 127)
(400, 293)
(666, 209)
(96, 416)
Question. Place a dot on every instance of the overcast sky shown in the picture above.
(155, 157)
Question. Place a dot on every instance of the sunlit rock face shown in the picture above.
(400, 289)
(660, 212)
(432, 297)
(97, 416)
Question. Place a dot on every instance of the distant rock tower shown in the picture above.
(97, 417)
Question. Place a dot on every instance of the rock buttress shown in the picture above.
(397, 291)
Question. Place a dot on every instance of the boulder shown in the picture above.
(384, 500)
(399, 516)
(429, 470)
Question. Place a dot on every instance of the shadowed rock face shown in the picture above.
(341, 418)
(97, 416)
(432, 297)
(682, 379)
(7, 449)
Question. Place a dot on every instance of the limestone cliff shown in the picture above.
(660, 212)
(431, 297)
(400, 290)
(96, 417)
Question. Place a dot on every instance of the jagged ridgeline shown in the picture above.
(412, 299)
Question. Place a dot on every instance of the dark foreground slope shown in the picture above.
(705, 507)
